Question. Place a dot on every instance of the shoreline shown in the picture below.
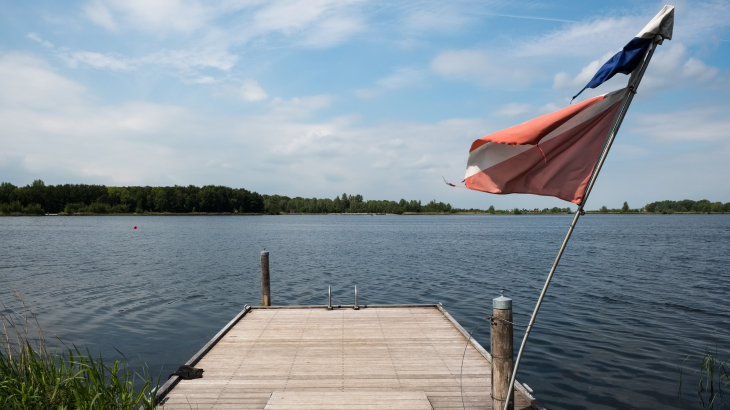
(365, 214)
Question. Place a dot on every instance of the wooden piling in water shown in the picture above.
(502, 351)
(265, 280)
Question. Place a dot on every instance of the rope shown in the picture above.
(491, 319)
(461, 371)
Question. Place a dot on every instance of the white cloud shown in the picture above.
(307, 23)
(511, 110)
(202, 80)
(696, 23)
(697, 124)
(251, 91)
(26, 81)
(291, 16)
(445, 17)
(188, 62)
(425, 162)
(584, 38)
(368, 93)
(322, 22)
(192, 58)
(401, 77)
(97, 60)
(629, 151)
(99, 14)
(37, 38)
(173, 15)
(332, 31)
(479, 66)
(299, 107)
(671, 67)
(318, 140)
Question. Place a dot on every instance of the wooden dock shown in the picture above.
(377, 357)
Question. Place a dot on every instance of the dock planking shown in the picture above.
(377, 357)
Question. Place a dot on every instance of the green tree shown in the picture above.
(625, 208)
(337, 205)
(603, 209)
(491, 209)
(6, 189)
(11, 208)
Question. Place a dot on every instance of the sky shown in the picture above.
(319, 97)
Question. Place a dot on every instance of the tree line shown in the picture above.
(276, 204)
(703, 206)
(688, 205)
(39, 198)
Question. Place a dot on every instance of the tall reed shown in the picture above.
(714, 380)
(33, 377)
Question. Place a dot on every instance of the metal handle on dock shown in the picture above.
(356, 307)
(329, 297)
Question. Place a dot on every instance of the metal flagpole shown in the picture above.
(614, 129)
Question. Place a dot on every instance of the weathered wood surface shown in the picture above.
(355, 354)
(339, 400)
(502, 356)
(265, 279)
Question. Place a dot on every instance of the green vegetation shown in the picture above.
(689, 206)
(31, 377)
(669, 207)
(713, 378)
(275, 204)
(517, 211)
(39, 198)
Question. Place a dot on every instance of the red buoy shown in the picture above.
(135, 226)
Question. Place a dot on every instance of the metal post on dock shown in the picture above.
(329, 297)
(356, 307)
(265, 281)
(502, 352)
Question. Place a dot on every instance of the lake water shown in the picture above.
(633, 297)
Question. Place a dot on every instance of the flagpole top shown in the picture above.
(502, 302)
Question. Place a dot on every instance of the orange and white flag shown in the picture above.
(552, 155)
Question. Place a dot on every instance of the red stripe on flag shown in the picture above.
(531, 132)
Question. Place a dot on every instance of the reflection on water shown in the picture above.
(634, 294)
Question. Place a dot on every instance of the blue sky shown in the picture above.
(315, 98)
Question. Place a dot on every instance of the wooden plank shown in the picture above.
(349, 400)
(341, 306)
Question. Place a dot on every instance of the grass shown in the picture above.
(33, 377)
(714, 379)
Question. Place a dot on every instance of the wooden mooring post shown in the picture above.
(265, 281)
(502, 351)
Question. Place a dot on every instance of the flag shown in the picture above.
(626, 60)
(552, 155)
